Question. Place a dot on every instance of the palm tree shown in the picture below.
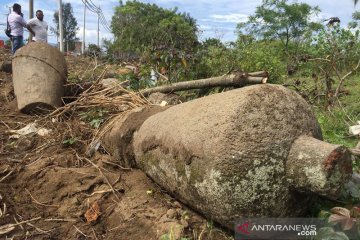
(356, 1)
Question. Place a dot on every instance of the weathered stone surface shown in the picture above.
(317, 166)
(354, 130)
(39, 73)
(118, 140)
(226, 155)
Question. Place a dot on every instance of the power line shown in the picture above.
(93, 8)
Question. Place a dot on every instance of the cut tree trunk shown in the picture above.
(236, 79)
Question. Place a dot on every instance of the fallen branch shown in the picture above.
(9, 227)
(342, 79)
(78, 230)
(98, 192)
(60, 220)
(39, 229)
(117, 165)
(94, 233)
(6, 176)
(236, 79)
(22, 228)
(3, 212)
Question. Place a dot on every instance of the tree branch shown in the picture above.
(236, 79)
(344, 77)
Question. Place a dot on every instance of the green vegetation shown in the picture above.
(70, 26)
(95, 117)
(318, 59)
(93, 50)
(140, 27)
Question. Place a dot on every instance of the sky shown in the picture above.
(215, 18)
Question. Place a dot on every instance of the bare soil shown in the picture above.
(49, 189)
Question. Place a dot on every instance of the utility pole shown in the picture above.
(61, 29)
(31, 15)
(83, 43)
(98, 33)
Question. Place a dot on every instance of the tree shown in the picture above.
(337, 52)
(139, 26)
(163, 38)
(70, 25)
(93, 50)
(285, 26)
(276, 19)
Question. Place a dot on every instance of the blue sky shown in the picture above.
(216, 18)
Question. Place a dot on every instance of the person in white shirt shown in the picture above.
(17, 25)
(39, 26)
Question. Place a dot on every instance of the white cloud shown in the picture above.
(91, 35)
(321, 17)
(230, 18)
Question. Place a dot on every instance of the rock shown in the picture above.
(176, 204)
(354, 130)
(110, 74)
(171, 230)
(239, 153)
(311, 166)
(113, 83)
(39, 75)
(122, 71)
(164, 218)
(171, 99)
(118, 140)
(172, 214)
(184, 223)
(25, 144)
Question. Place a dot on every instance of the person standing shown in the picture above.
(39, 26)
(17, 25)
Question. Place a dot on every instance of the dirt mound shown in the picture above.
(49, 189)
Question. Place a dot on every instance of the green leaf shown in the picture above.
(328, 233)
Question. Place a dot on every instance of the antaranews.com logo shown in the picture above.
(257, 230)
(283, 228)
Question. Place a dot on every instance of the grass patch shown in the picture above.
(346, 112)
(335, 127)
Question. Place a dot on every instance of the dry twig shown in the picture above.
(37, 202)
(60, 220)
(117, 165)
(11, 226)
(106, 179)
(78, 230)
(7, 175)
